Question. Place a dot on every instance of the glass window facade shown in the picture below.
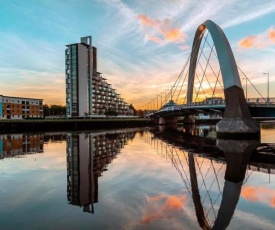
(100, 97)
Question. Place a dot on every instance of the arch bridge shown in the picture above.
(236, 110)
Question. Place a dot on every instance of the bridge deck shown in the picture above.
(218, 107)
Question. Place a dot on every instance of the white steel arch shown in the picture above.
(229, 71)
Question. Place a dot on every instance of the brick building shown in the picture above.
(20, 108)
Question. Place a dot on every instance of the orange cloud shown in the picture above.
(146, 21)
(164, 30)
(248, 42)
(186, 47)
(250, 193)
(259, 194)
(271, 34)
(174, 203)
(258, 41)
(174, 35)
(171, 205)
(154, 39)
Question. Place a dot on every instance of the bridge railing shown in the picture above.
(256, 101)
(270, 100)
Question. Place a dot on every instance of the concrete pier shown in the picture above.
(237, 121)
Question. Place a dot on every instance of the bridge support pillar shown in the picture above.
(189, 119)
(156, 120)
(237, 122)
(168, 120)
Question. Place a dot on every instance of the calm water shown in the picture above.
(137, 179)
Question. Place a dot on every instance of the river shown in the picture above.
(144, 178)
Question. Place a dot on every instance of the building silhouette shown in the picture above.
(87, 93)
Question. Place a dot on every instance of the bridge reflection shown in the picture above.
(214, 189)
(231, 158)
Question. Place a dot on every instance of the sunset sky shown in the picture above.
(142, 44)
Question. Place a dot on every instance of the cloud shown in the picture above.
(33, 84)
(249, 13)
(154, 39)
(174, 35)
(258, 41)
(248, 42)
(164, 207)
(146, 21)
(186, 47)
(271, 34)
(164, 30)
(259, 194)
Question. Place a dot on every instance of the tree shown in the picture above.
(54, 110)
(133, 108)
(46, 110)
(111, 112)
(140, 113)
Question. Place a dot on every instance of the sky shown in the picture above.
(142, 45)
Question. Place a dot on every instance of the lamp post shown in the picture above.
(245, 88)
(267, 73)
(165, 96)
(157, 101)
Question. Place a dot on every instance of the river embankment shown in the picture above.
(13, 126)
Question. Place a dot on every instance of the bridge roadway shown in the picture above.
(211, 107)
(262, 159)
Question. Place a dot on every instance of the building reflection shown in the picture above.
(212, 171)
(88, 156)
(16, 145)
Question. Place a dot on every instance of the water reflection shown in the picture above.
(237, 155)
(187, 148)
(88, 156)
(169, 179)
(18, 145)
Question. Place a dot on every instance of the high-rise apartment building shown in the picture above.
(87, 93)
(79, 71)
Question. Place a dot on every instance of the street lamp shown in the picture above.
(157, 101)
(245, 88)
(267, 73)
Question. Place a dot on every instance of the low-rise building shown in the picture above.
(20, 108)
